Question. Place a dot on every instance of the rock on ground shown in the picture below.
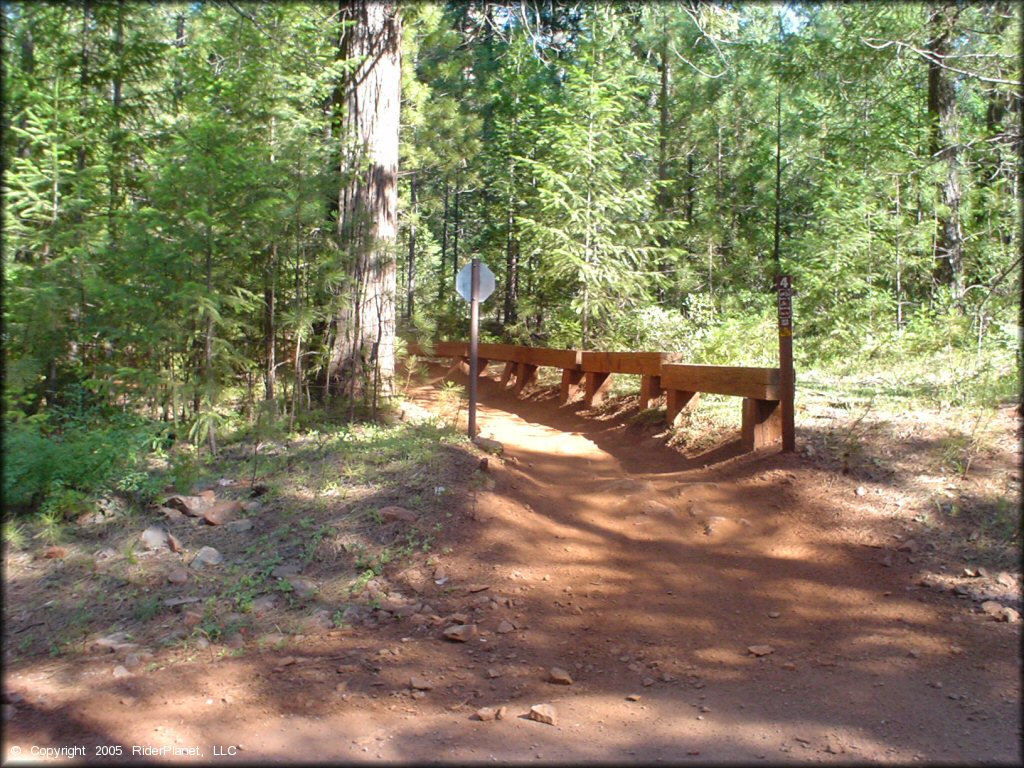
(396, 515)
(460, 633)
(543, 713)
(559, 676)
(206, 556)
(223, 512)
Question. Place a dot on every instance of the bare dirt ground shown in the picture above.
(720, 607)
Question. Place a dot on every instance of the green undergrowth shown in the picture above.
(320, 495)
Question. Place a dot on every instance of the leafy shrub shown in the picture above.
(60, 468)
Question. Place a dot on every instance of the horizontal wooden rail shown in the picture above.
(505, 353)
(758, 383)
(642, 363)
(659, 372)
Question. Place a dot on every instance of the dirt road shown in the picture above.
(751, 611)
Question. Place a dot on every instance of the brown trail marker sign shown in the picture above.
(474, 283)
(787, 377)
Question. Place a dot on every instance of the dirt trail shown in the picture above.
(643, 580)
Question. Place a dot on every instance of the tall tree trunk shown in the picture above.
(444, 245)
(511, 308)
(363, 354)
(81, 155)
(410, 280)
(270, 325)
(456, 227)
(178, 90)
(663, 197)
(208, 335)
(115, 169)
(944, 146)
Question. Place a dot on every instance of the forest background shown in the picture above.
(176, 270)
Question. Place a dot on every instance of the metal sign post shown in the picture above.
(474, 343)
(474, 283)
(787, 377)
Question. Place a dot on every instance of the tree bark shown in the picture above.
(945, 148)
(444, 245)
(363, 355)
(663, 197)
(270, 325)
(410, 281)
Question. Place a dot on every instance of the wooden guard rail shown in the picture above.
(659, 372)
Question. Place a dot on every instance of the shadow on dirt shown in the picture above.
(726, 599)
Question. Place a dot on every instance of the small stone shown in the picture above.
(487, 713)
(1006, 579)
(172, 515)
(504, 627)
(633, 697)
(1011, 615)
(559, 676)
(992, 608)
(178, 576)
(543, 713)
(121, 671)
(861, 490)
(222, 512)
(284, 571)
(460, 633)
(206, 556)
(239, 526)
(970, 572)
(773, 614)
(760, 650)
(132, 661)
(155, 537)
(789, 666)
(420, 684)
(55, 552)
(397, 515)
(193, 506)
(115, 642)
(491, 446)
(303, 587)
(173, 602)
(647, 682)
(910, 545)
(493, 673)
